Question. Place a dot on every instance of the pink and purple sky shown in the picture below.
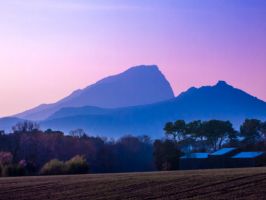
(51, 47)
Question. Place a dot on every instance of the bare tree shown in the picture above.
(77, 133)
(26, 127)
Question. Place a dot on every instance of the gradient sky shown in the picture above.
(48, 48)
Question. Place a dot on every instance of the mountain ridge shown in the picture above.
(221, 101)
(136, 86)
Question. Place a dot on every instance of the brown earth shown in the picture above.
(245, 184)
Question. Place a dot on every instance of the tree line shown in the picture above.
(206, 136)
(31, 151)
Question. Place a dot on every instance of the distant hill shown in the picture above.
(221, 101)
(6, 123)
(137, 86)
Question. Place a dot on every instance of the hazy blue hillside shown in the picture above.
(137, 86)
(221, 101)
(6, 123)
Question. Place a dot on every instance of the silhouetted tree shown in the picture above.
(250, 130)
(169, 129)
(218, 132)
(166, 155)
(176, 130)
(196, 135)
(195, 130)
(26, 127)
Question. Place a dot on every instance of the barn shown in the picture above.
(194, 161)
(223, 158)
(248, 159)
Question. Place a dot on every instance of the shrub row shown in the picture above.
(76, 165)
(12, 170)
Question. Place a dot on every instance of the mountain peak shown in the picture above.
(144, 67)
(139, 85)
(222, 83)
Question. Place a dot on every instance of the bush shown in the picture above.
(53, 167)
(13, 170)
(6, 158)
(77, 165)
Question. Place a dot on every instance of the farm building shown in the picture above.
(225, 152)
(248, 159)
(194, 161)
(223, 158)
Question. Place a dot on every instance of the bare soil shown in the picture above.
(232, 184)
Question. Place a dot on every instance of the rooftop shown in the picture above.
(248, 155)
(222, 151)
(196, 155)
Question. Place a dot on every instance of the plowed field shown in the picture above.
(246, 184)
